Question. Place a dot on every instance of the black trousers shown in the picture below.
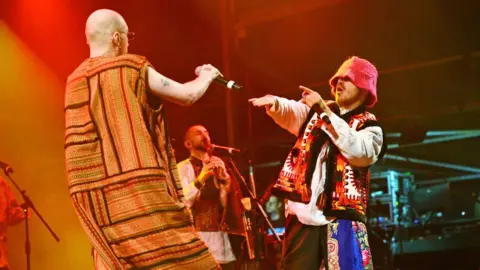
(228, 266)
(304, 246)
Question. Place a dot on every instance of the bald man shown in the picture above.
(122, 174)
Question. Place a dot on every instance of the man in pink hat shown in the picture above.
(325, 178)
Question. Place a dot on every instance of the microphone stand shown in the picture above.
(265, 216)
(27, 204)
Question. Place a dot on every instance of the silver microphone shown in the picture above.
(325, 118)
(230, 150)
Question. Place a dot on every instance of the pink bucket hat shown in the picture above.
(362, 73)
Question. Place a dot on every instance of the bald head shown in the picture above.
(197, 138)
(101, 25)
(192, 130)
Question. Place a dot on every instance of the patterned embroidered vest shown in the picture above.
(346, 188)
(207, 210)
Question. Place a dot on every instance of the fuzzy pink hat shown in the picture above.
(362, 73)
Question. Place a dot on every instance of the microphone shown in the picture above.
(333, 106)
(221, 80)
(6, 167)
(325, 118)
(225, 149)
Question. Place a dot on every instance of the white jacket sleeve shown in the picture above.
(360, 148)
(187, 179)
(289, 114)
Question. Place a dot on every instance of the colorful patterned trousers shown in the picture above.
(340, 245)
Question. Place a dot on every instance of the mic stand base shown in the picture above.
(259, 206)
(265, 216)
(26, 205)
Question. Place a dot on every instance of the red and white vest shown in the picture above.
(346, 188)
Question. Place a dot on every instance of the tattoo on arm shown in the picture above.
(165, 82)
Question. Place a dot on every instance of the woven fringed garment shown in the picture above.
(122, 173)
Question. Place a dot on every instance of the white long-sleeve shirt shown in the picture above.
(360, 148)
(217, 242)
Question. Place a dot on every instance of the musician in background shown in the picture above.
(274, 207)
(209, 192)
(11, 213)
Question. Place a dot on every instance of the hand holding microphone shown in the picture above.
(215, 75)
(207, 71)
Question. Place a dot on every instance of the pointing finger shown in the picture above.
(305, 89)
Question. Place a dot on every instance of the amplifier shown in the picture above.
(448, 235)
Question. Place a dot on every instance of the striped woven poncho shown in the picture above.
(122, 173)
